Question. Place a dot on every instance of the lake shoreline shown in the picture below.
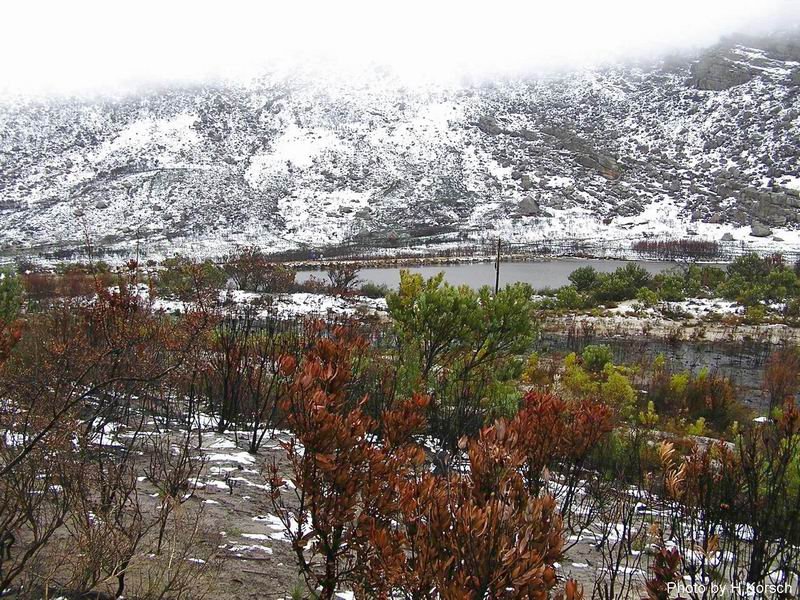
(320, 264)
(540, 273)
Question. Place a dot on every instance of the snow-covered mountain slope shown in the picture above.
(705, 146)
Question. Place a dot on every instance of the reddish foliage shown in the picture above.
(550, 429)
(40, 286)
(79, 366)
(488, 536)
(587, 423)
(371, 516)
(572, 591)
(250, 270)
(681, 248)
(789, 421)
(721, 486)
(540, 426)
(74, 284)
(782, 375)
(665, 570)
(10, 334)
(343, 481)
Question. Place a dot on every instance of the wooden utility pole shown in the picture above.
(497, 269)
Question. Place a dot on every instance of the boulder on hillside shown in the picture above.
(759, 230)
(526, 182)
(489, 125)
(528, 207)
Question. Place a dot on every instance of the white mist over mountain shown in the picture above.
(91, 45)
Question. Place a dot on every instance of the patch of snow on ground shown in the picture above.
(698, 307)
(238, 457)
(290, 305)
(282, 305)
(239, 548)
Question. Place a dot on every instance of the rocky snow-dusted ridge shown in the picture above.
(705, 146)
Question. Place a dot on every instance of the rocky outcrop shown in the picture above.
(777, 209)
(489, 125)
(739, 59)
(585, 154)
(604, 164)
(718, 72)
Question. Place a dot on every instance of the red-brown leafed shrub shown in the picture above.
(40, 286)
(572, 591)
(551, 430)
(588, 422)
(782, 375)
(723, 488)
(484, 534)
(10, 333)
(76, 284)
(343, 480)
(369, 515)
(540, 427)
(665, 570)
(78, 367)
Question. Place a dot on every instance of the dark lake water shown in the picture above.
(539, 273)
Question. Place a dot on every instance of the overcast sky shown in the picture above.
(87, 45)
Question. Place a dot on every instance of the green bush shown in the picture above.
(624, 455)
(183, 278)
(618, 392)
(792, 308)
(633, 275)
(612, 289)
(584, 279)
(753, 280)
(755, 315)
(750, 280)
(698, 428)
(649, 418)
(672, 288)
(461, 345)
(576, 379)
(596, 357)
(703, 278)
(782, 283)
(569, 298)
(713, 397)
(375, 290)
(750, 267)
(646, 297)
(622, 284)
(679, 382)
(10, 296)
